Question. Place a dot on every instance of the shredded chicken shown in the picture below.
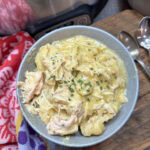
(32, 86)
(60, 96)
(61, 126)
(79, 112)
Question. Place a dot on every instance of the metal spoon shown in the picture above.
(133, 48)
(143, 33)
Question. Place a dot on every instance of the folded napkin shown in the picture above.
(15, 133)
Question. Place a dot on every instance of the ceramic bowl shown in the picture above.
(112, 126)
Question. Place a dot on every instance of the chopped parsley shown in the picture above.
(97, 82)
(80, 81)
(51, 77)
(74, 73)
(59, 82)
(69, 99)
(99, 75)
(88, 99)
(65, 82)
(71, 89)
(101, 88)
(88, 90)
(73, 82)
(36, 105)
(89, 84)
(91, 68)
(108, 87)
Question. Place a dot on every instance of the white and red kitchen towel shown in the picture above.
(12, 50)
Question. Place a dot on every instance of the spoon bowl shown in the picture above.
(130, 43)
(143, 33)
(133, 48)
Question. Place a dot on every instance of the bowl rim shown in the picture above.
(122, 123)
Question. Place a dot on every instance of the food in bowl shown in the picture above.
(78, 83)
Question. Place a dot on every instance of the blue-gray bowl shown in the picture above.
(113, 125)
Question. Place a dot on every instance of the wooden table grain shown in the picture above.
(135, 134)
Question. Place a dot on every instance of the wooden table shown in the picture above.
(135, 135)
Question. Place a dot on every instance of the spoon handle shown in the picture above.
(149, 52)
(146, 69)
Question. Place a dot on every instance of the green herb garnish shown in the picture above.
(99, 75)
(74, 73)
(80, 81)
(88, 90)
(71, 89)
(59, 82)
(88, 99)
(97, 82)
(36, 105)
(69, 99)
(89, 84)
(108, 87)
(65, 82)
(73, 82)
(51, 77)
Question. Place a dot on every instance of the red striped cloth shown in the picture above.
(12, 50)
